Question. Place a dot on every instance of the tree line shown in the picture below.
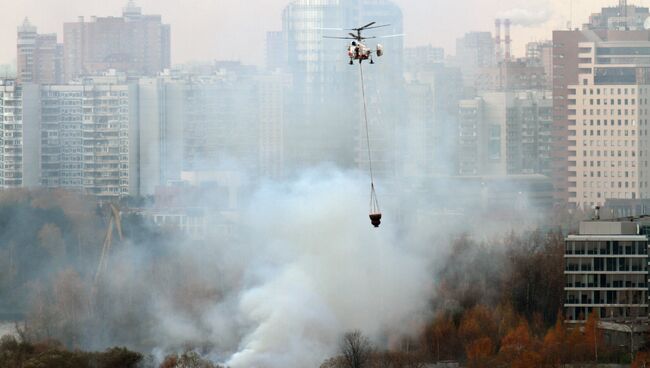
(497, 303)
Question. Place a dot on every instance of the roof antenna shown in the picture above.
(570, 23)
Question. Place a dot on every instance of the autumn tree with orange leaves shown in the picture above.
(520, 349)
(642, 360)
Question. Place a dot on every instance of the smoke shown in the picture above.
(330, 272)
(527, 17)
(304, 267)
(309, 268)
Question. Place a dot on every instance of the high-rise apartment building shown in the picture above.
(505, 133)
(89, 139)
(430, 119)
(234, 116)
(271, 130)
(160, 114)
(541, 54)
(39, 57)
(276, 51)
(529, 133)
(475, 50)
(423, 55)
(134, 43)
(608, 112)
(513, 75)
(20, 134)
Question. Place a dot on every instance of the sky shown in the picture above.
(205, 30)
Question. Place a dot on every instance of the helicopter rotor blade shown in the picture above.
(331, 29)
(391, 36)
(340, 38)
(381, 26)
(366, 26)
(353, 35)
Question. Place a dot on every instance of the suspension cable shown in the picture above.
(374, 203)
(365, 115)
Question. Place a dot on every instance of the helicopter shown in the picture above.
(357, 50)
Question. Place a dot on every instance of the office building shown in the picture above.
(621, 17)
(606, 271)
(565, 73)
(608, 117)
(505, 133)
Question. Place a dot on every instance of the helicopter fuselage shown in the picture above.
(359, 51)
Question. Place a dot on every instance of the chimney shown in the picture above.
(508, 40)
(497, 40)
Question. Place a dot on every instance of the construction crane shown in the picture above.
(114, 223)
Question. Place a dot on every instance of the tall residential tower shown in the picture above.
(39, 56)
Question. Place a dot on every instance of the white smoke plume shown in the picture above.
(321, 270)
(527, 17)
(310, 267)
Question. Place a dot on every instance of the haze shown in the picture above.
(235, 29)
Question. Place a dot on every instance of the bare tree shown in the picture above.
(356, 350)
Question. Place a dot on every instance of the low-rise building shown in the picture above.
(606, 270)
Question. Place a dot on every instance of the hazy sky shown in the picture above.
(235, 29)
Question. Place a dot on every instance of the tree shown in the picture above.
(593, 337)
(119, 358)
(189, 359)
(554, 343)
(534, 281)
(576, 347)
(50, 239)
(356, 350)
(518, 347)
(390, 359)
(478, 322)
(72, 302)
(479, 352)
(440, 338)
(642, 360)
